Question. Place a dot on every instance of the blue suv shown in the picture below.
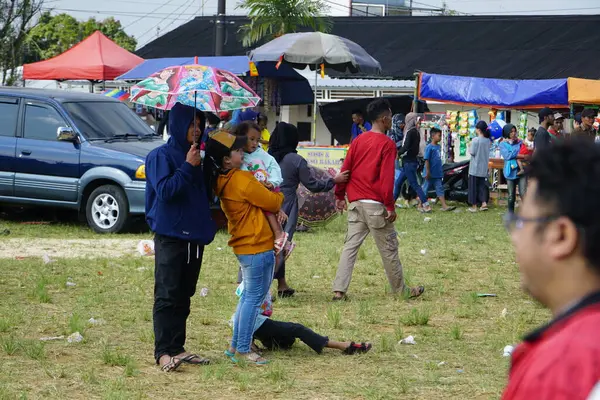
(74, 150)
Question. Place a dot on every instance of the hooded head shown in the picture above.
(284, 140)
(507, 129)
(410, 122)
(222, 154)
(181, 121)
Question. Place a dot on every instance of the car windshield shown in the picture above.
(105, 120)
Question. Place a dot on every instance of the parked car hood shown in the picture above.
(139, 148)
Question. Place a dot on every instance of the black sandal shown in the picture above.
(358, 348)
(343, 297)
(172, 365)
(289, 292)
(195, 359)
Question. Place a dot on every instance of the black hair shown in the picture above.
(507, 130)
(378, 107)
(243, 128)
(212, 118)
(435, 130)
(262, 117)
(357, 112)
(567, 176)
(212, 165)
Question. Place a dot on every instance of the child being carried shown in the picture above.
(266, 170)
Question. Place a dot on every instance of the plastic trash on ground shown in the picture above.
(75, 337)
(70, 282)
(146, 247)
(423, 251)
(94, 321)
(408, 340)
(49, 338)
(47, 260)
(204, 292)
(508, 349)
(504, 313)
(426, 219)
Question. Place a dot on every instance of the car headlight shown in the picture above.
(140, 173)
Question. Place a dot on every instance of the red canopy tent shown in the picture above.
(97, 58)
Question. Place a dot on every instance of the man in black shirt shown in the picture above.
(542, 137)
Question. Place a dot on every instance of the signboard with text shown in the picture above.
(323, 157)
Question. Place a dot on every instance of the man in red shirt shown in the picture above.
(556, 237)
(370, 190)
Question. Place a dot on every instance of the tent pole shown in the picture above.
(195, 126)
(315, 106)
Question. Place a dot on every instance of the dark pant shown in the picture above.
(512, 184)
(282, 335)
(176, 270)
(409, 172)
(479, 192)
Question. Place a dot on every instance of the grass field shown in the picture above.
(459, 336)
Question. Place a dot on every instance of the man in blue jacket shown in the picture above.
(178, 212)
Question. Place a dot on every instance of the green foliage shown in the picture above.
(55, 34)
(273, 18)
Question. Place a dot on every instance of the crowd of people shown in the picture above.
(554, 235)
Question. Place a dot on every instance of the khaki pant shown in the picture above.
(365, 218)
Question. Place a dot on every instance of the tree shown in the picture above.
(273, 18)
(55, 34)
(16, 18)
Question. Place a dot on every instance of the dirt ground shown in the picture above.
(67, 248)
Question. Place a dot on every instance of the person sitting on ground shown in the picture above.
(527, 149)
(433, 172)
(282, 335)
(266, 170)
(359, 125)
(479, 193)
(555, 237)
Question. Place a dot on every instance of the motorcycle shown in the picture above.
(455, 180)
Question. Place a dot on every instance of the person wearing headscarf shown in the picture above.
(178, 212)
(396, 133)
(410, 163)
(294, 170)
(509, 149)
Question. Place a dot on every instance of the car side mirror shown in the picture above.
(66, 134)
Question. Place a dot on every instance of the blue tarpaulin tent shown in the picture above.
(496, 93)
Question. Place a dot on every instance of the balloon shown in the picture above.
(495, 128)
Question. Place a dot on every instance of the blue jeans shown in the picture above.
(437, 184)
(409, 172)
(257, 273)
(397, 182)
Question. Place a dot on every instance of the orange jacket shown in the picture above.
(244, 201)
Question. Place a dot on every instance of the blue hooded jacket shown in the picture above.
(176, 200)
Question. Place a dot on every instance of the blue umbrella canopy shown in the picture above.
(315, 48)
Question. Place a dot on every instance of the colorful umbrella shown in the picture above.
(206, 88)
(317, 209)
(116, 94)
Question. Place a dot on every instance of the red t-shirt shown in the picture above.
(560, 361)
(370, 160)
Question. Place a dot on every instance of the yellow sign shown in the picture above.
(253, 70)
(323, 157)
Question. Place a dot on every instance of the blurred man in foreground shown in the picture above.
(556, 238)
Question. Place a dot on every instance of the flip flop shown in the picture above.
(289, 292)
(200, 360)
(416, 292)
(172, 365)
(358, 348)
(252, 358)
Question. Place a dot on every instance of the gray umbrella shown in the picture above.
(313, 49)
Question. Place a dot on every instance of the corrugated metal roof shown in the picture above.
(354, 83)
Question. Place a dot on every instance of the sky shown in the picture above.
(146, 19)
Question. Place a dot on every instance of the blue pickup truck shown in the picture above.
(80, 151)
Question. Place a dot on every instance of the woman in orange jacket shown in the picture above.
(244, 201)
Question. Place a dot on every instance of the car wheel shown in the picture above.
(107, 209)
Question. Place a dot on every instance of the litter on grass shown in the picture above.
(75, 338)
(504, 313)
(486, 295)
(49, 338)
(426, 219)
(423, 251)
(94, 321)
(146, 247)
(70, 283)
(204, 292)
(408, 340)
(508, 349)
(47, 260)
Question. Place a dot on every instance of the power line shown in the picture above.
(150, 13)
(161, 21)
(180, 14)
(110, 13)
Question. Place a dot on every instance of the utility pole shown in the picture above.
(411, 10)
(220, 26)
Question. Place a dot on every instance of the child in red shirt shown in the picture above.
(526, 150)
